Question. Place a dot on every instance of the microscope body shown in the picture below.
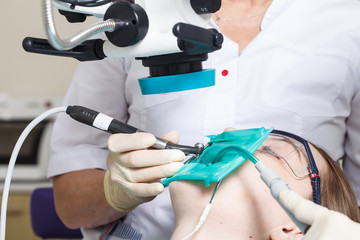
(163, 15)
(169, 36)
(149, 23)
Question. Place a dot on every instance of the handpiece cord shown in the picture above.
(12, 161)
(204, 214)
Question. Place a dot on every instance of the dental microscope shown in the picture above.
(169, 37)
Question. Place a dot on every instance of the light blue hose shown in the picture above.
(243, 152)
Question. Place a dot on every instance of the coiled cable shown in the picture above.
(66, 44)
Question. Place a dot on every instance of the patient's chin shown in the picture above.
(182, 189)
(195, 188)
(190, 194)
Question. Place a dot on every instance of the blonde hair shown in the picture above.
(336, 191)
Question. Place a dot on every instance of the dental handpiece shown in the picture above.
(111, 125)
(276, 185)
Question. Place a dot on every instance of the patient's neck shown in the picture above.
(233, 216)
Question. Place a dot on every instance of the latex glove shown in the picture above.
(324, 224)
(134, 172)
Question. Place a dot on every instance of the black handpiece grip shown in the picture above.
(82, 114)
(120, 127)
(88, 117)
(87, 51)
(195, 39)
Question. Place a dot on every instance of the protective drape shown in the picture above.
(221, 156)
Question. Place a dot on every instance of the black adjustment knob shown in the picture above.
(175, 63)
(73, 17)
(132, 23)
(195, 39)
(205, 6)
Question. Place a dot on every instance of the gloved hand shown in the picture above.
(134, 172)
(324, 224)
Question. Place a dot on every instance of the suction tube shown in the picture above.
(12, 161)
(274, 182)
(276, 185)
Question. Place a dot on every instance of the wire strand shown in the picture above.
(204, 214)
(201, 220)
(217, 185)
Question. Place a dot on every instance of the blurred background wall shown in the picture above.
(25, 74)
(28, 82)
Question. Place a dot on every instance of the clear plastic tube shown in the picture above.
(200, 222)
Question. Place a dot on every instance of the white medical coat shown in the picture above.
(300, 74)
